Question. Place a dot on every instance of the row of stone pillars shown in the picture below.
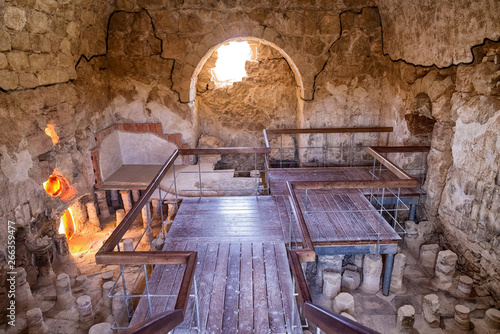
(127, 201)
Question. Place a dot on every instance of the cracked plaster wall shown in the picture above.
(140, 71)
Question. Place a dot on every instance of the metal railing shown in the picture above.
(332, 323)
(112, 251)
(324, 147)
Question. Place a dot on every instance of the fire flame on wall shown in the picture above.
(67, 225)
(56, 185)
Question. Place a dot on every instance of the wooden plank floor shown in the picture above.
(242, 274)
(278, 177)
(341, 216)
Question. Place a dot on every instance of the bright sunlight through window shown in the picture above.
(230, 64)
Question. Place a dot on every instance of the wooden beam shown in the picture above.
(400, 149)
(300, 281)
(224, 150)
(333, 323)
(153, 257)
(129, 218)
(185, 288)
(309, 255)
(389, 164)
(329, 130)
(355, 184)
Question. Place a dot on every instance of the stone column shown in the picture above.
(127, 202)
(120, 214)
(145, 215)
(398, 269)
(65, 299)
(405, 319)
(115, 202)
(331, 283)
(372, 270)
(101, 328)
(492, 318)
(128, 245)
(462, 317)
(136, 194)
(465, 286)
(412, 238)
(344, 302)
(92, 213)
(103, 203)
(107, 276)
(24, 297)
(36, 325)
(445, 269)
(156, 204)
(61, 247)
(330, 262)
(430, 310)
(120, 305)
(106, 289)
(86, 312)
(351, 280)
(428, 255)
(40, 249)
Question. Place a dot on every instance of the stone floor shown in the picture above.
(379, 312)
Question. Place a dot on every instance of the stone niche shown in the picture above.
(265, 98)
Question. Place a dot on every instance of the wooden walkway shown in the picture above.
(243, 277)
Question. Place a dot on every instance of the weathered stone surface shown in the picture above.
(351, 280)
(331, 284)
(5, 41)
(3, 61)
(431, 310)
(405, 319)
(445, 269)
(398, 269)
(14, 18)
(8, 80)
(344, 302)
(428, 255)
(372, 269)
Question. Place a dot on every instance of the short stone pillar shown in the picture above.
(159, 242)
(398, 269)
(405, 319)
(462, 317)
(92, 213)
(86, 311)
(330, 262)
(445, 269)
(351, 280)
(145, 215)
(101, 328)
(344, 302)
(103, 203)
(115, 202)
(128, 245)
(61, 247)
(428, 255)
(372, 270)
(492, 318)
(358, 259)
(107, 276)
(65, 299)
(106, 292)
(36, 325)
(430, 310)
(127, 201)
(24, 297)
(120, 309)
(331, 283)
(156, 204)
(413, 240)
(136, 194)
(120, 214)
(464, 286)
(40, 249)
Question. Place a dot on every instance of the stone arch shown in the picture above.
(296, 73)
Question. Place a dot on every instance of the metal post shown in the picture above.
(147, 290)
(281, 151)
(196, 305)
(199, 174)
(149, 227)
(351, 150)
(325, 148)
(389, 260)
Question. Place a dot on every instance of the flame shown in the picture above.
(53, 186)
(67, 225)
(51, 132)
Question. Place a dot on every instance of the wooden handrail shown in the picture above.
(223, 150)
(328, 130)
(307, 253)
(400, 149)
(389, 164)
